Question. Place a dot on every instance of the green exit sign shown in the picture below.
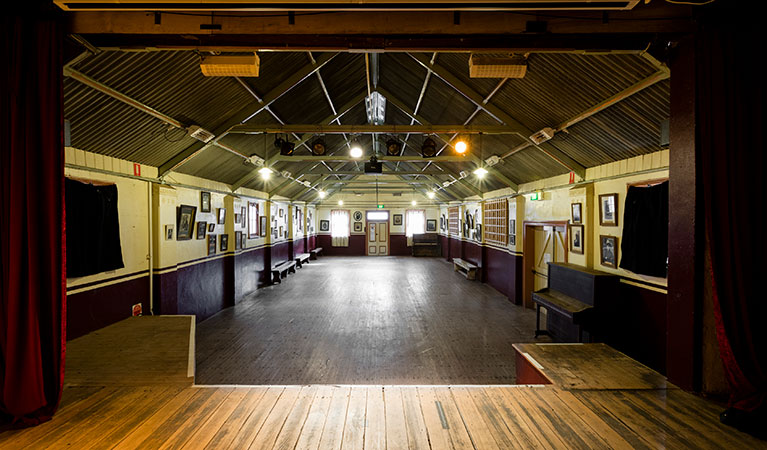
(380, 206)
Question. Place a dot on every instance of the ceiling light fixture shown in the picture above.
(393, 147)
(413, 203)
(265, 172)
(323, 194)
(480, 172)
(429, 148)
(430, 194)
(318, 147)
(230, 66)
(460, 147)
(340, 203)
(355, 151)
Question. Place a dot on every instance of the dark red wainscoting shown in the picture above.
(90, 310)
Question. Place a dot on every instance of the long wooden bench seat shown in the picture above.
(301, 259)
(281, 270)
(468, 269)
(315, 253)
(564, 305)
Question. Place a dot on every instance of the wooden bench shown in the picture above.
(562, 305)
(301, 259)
(316, 252)
(281, 270)
(465, 267)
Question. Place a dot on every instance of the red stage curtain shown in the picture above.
(731, 100)
(32, 253)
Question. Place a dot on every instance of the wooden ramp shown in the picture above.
(139, 351)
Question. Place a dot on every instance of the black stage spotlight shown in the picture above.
(318, 147)
(286, 147)
(429, 148)
(278, 142)
(393, 147)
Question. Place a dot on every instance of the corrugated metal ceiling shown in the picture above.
(556, 88)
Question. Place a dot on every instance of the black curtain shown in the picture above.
(93, 229)
(644, 244)
(731, 102)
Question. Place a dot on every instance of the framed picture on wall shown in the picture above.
(243, 241)
(238, 240)
(262, 224)
(576, 212)
(397, 220)
(253, 220)
(608, 210)
(431, 225)
(608, 251)
(236, 218)
(357, 216)
(202, 227)
(185, 222)
(512, 239)
(221, 216)
(576, 239)
(224, 242)
(211, 227)
(168, 232)
(211, 244)
(205, 202)
(324, 225)
(357, 227)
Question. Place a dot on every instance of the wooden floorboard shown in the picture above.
(352, 320)
(389, 417)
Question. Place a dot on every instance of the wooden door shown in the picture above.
(544, 243)
(378, 239)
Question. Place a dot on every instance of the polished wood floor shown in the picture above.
(378, 417)
(358, 320)
(152, 404)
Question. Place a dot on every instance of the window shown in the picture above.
(375, 216)
(339, 223)
(415, 222)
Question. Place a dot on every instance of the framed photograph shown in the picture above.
(442, 223)
(224, 242)
(513, 239)
(397, 220)
(253, 221)
(238, 240)
(243, 216)
(324, 225)
(262, 224)
(357, 227)
(478, 232)
(185, 222)
(576, 239)
(608, 210)
(431, 225)
(513, 227)
(202, 227)
(608, 251)
(576, 212)
(168, 232)
(221, 216)
(357, 216)
(243, 241)
(211, 244)
(281, 231)
(205, 202)
(274, 234)
(211, 227)
(237, 218)
(281, 212)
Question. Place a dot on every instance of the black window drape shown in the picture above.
(644, 244)
(93, 229)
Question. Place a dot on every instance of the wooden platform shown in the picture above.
(139, 351)
(621, 405)
(378, 417)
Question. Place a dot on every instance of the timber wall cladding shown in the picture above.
(495, 224)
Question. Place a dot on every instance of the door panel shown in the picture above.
(549, 247)
(378, 239)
